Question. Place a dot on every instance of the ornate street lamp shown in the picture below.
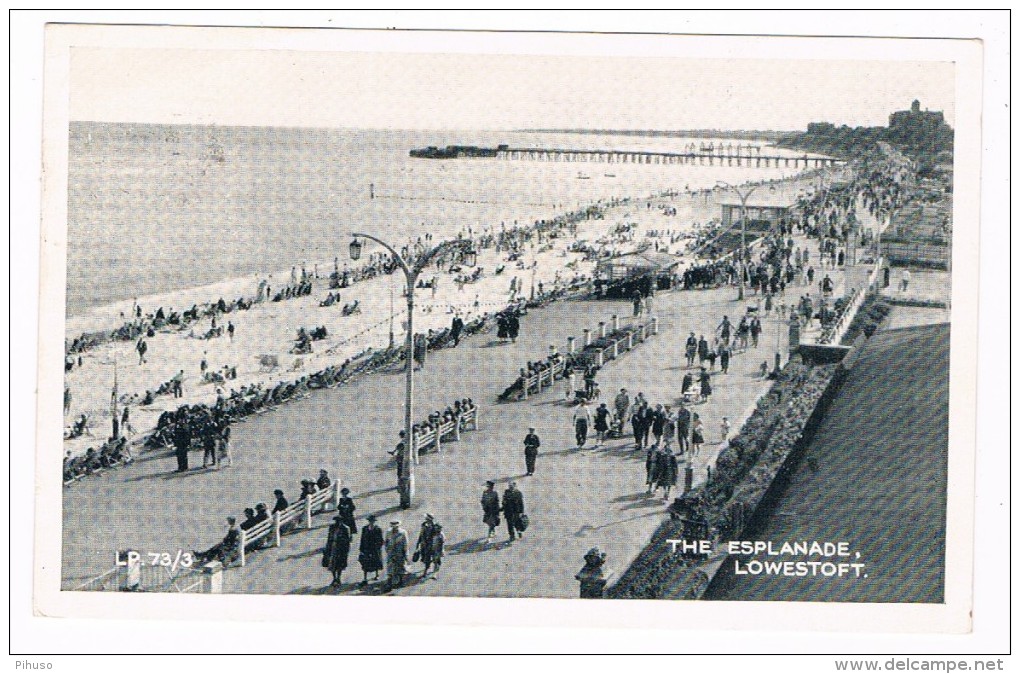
(355, 249)
(411, 271)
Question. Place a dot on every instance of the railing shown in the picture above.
(133, 575)
(834, 332)
(452, 428)
(301, 510)
(609, 348)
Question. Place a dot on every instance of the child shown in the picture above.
(725, 428)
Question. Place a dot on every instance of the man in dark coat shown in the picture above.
(531, 445)
(513, 508)
(424, 548)
(513, 327)
(370, 549)
(338, 547)
(456, 328)
(702, 349)
(683, 428)
(345, 510)
(490, 507)
(182, 442)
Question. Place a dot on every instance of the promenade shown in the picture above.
(576, 500)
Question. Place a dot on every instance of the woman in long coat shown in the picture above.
(338, 547)
(666, 471)
(370, 549)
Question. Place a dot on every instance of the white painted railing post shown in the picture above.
(602, 329)
(655, 325)
(308, 511)
(243, 546)
(570, 346)
(587, 337)
(456, 428)
(616, 322)
(212, 578)
(276, 528)
(525, 378)
(336, 496)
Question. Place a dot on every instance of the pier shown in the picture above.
(744, 156)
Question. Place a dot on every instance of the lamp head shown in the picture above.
(356, 246)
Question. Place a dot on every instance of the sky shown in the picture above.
(390, 89)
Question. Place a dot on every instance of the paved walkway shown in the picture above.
(577, 499)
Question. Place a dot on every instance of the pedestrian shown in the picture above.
(637, 304)
(209, 449)
(637, 421)
(203, 365)
(67, 400)
(691, 349)
(370, 549)
(513, 509)
(582, 420)
(490, 508)
(621, 403)
(651, 468)
(224, 442)
(724, 358)
(665, 472)
(345, 510)
(424, 548)
(230, 330)
(905, 280)
(456, 328)
(702, 350)
(755, 330)
(396, 543)
(125, 421)
(658, 424)
(668, 428)
(142, 347)
(178, 384)
(337, 549)
(593, 576)
(685, 384)
(182, 443)
(601, 424)
(531, 445)
(725, 329)
(724, 428)
(398, 454)
(697, 436)
(683, 428)
(568, 381)
(705, 381)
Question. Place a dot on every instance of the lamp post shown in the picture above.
(743, 196)
(411, 268)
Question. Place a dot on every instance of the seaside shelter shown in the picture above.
(644, 271)
(765, 211)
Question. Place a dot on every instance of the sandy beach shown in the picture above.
(269, 328)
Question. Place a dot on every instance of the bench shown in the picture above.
(302, 509)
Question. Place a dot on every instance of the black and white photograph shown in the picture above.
(682, 324)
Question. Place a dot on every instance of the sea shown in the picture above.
(154, 208)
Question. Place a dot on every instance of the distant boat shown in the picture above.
(582, 176)
(610, 175)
